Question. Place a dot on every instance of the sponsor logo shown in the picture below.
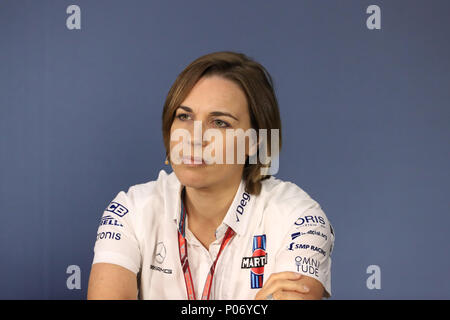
(166, 271)
(310, 221)
(110, 221)
(256, 262)
(240, 208)
(307, 265)
(297, 234)
(160, 253)
(117, 208)
(108, 235)
(312, 232)
(294, 246)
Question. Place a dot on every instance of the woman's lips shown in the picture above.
(193, 161)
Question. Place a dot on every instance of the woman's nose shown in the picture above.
(196, 134)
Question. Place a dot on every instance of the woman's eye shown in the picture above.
(221, 123)
(182, 116)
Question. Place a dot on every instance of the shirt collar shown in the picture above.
(238, 214)
(240, 210)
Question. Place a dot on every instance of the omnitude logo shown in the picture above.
(213, 152)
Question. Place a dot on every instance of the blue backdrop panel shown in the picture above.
(365, 117)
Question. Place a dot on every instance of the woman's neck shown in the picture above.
(207, 207)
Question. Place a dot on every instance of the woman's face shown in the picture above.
(220, 104)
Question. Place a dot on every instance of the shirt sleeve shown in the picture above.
(307, 247)
(116, 241)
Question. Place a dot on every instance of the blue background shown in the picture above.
(365, 118)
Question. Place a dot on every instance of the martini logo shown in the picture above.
(256, 262)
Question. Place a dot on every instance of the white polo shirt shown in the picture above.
(281, 229)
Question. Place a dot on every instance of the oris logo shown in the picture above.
(310, 221)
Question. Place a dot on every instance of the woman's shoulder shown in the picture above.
(285, 198)
(151, 190)
(287, 206)
(279, 191)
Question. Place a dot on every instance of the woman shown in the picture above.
(215, 229)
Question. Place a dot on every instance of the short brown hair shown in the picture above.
(257, 85)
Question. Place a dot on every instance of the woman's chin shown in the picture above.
(191, 177)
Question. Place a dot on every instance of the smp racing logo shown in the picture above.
(256, 262)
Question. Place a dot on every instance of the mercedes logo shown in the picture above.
(160, 253)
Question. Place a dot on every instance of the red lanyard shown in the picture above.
(182, 246)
